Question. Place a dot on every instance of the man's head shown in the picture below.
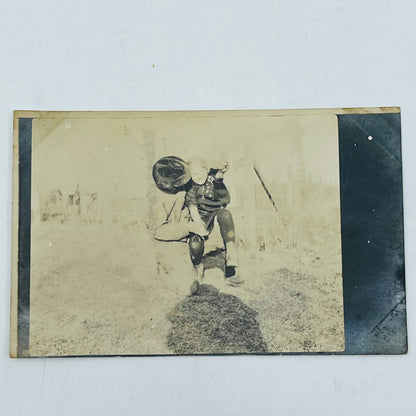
(171, 174)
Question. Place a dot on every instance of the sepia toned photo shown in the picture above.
(185, 233)
(209, 232)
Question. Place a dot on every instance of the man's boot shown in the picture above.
(198, 275)
(231, 262)
(231, 254)
(231, 277)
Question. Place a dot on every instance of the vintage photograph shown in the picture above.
(185, 233)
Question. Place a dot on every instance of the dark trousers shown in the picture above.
(227, 230)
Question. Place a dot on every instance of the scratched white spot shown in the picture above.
(368, 242)
(355, 144)
(50, 244)
(68, 125)
(370, 138)
(105, 149)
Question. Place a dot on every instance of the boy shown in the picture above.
(206, 200)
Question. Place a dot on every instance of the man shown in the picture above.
(205, 198)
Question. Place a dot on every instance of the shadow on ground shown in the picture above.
(214, 322)
(214, 259)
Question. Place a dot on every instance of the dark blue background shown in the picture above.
(372, 233)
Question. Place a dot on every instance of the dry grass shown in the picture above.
(292, 319)
(98, 290)
(214, 322)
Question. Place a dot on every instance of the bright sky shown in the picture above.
(111, 155)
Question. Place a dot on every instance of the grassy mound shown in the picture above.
(214, 322)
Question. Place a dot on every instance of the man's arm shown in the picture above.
(191, 201)
(199, 225)
(193, 210)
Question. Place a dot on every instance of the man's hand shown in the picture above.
(198, 228)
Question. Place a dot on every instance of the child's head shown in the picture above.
(217, 174)
(199, 170)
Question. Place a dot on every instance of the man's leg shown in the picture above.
(171, 231)
(226, 223)
(196, 251)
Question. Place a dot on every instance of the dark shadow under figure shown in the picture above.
(214, 259)
(212, 322)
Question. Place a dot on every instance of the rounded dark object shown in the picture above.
(171, 174)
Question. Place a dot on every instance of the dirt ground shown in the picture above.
(99, 290)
